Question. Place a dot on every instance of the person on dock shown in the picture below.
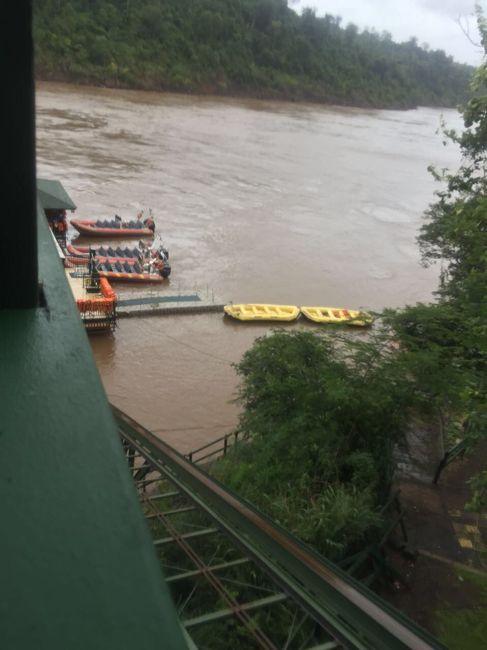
(149, 222)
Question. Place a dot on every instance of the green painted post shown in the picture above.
(19, 287)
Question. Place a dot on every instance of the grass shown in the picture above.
(465, 629)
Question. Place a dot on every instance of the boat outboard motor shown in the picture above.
(166, 270)
(164, 253)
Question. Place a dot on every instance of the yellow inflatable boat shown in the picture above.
(337, 316)
(262, 312)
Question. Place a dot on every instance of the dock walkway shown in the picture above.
(167, 304)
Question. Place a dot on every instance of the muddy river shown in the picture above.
(257, 202)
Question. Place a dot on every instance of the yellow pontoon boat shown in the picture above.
(337, 316)
(262, 312)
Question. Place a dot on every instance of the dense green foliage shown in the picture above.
(254, 47)
(447, 342)
(323, 414)
(464, 628)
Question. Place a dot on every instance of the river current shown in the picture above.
(256, 201)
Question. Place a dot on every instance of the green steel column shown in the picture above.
(18, 242)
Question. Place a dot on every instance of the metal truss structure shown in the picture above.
(239, 580)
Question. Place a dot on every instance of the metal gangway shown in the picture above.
(233, 571)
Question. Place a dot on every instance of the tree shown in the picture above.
(455, 232)
(322, 415)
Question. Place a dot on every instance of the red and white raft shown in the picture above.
(123, 264)
(114, 227)
(133, 271)
(81, 254)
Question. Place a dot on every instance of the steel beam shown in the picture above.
(166, 495)
(168, 513)
(197, 533)
(198, 572)
(226, 613)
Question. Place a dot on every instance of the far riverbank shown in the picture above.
(293, 93)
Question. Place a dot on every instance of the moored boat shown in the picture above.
(133, 271)
(115, 227)
(337, 316)
(261, 312)
(110, 252)
(118, 254)
(151, 263)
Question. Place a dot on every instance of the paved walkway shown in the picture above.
(437, 519)
(447, 538)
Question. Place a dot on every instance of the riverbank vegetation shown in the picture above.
(260, 48)
(322, 414)
(447, 340)
(465, 628)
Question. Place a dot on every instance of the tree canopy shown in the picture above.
(444, 344)
(323, 414)
(254, 47)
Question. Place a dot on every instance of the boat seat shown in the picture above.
(127, 267)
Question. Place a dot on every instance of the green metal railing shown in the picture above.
(353, 616)
(216, 448)
(457, 451)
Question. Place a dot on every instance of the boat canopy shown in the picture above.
(53, 196)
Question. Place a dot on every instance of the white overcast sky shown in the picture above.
(431, 21)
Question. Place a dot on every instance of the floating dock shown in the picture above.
(166, 305)
(97, 310)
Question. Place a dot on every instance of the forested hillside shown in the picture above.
(253, 47)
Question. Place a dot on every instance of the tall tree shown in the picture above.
(451, 336)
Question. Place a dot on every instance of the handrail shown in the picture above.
(223, 449)
(457, 450)
(355, 616)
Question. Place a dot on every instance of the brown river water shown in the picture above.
(256, 201)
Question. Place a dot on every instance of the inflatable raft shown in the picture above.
(116, 254)
(121, 254)
(132, 271)
(114, 228)
(151, 260)
(254, 312)
(337, 316)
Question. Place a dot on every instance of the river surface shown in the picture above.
(257, 201)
